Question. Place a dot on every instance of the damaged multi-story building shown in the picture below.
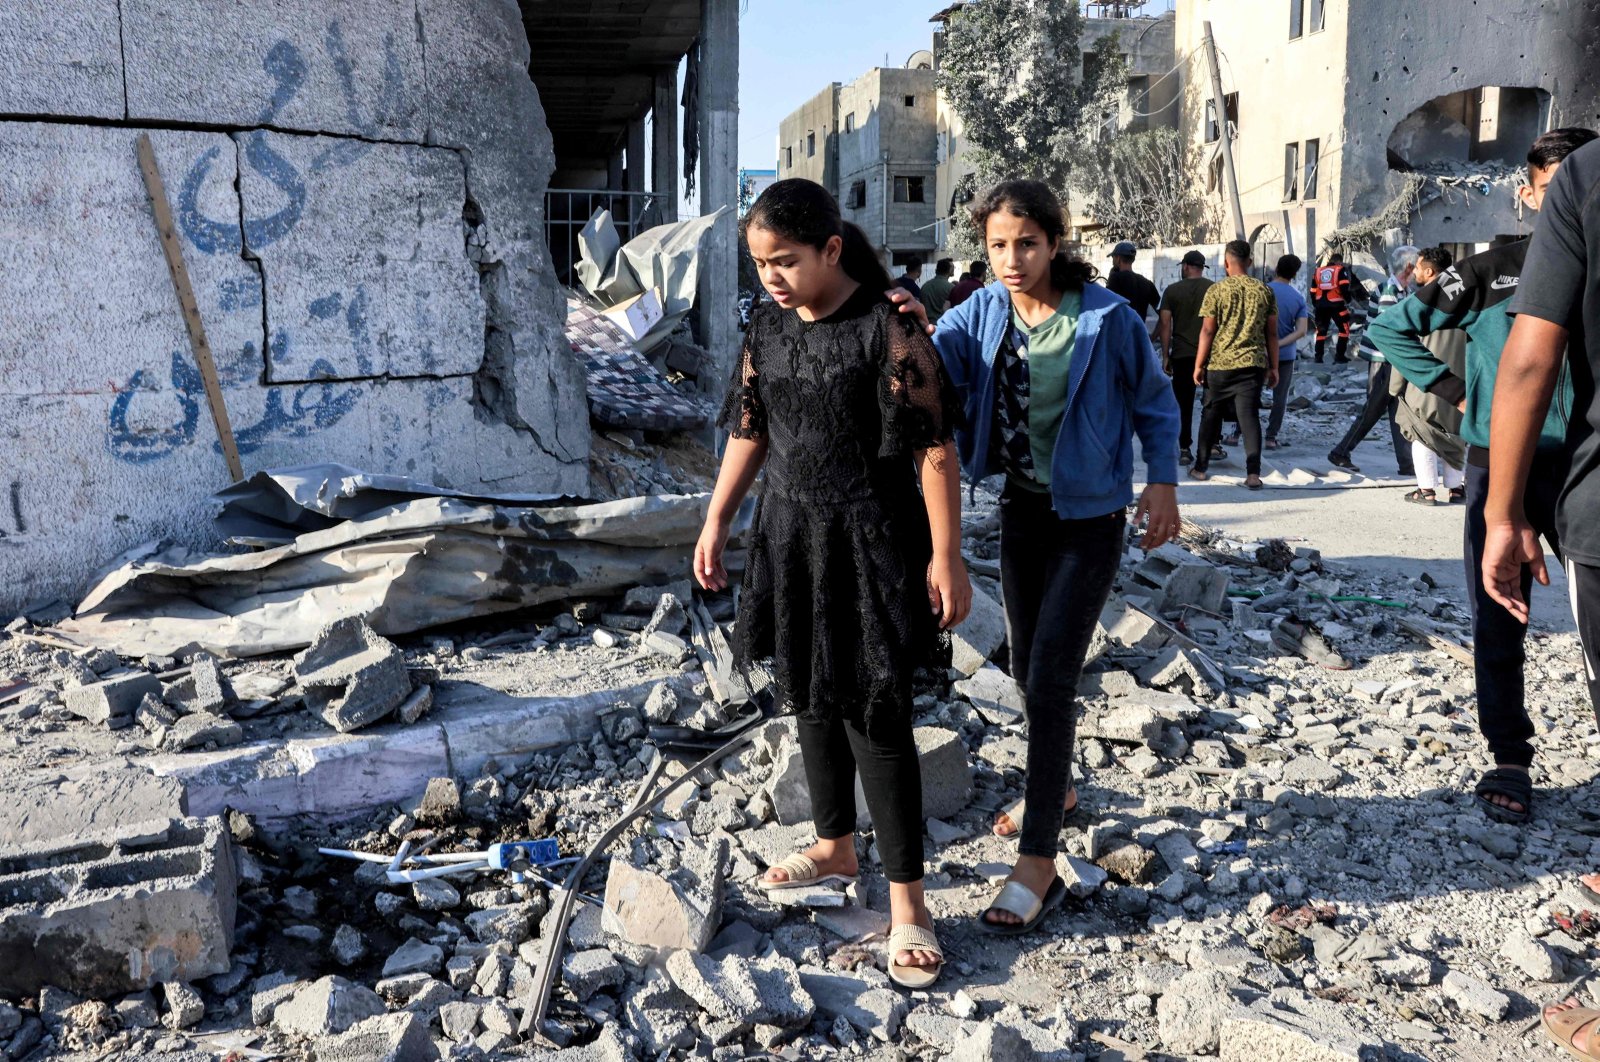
(1370, 122)
(360, 195)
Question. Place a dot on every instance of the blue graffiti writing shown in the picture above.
(238, 293)
(312, 408)
(139, 446)
(285, 65)
(12, 523)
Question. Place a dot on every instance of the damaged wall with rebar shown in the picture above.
(358, 190)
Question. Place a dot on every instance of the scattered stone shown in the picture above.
(435, 894)
(680, 910)
(349, 947)
(1474, 996)
(441, 803)
(351, 676)
(458, 1020)
(399, 1037)
(501, 925)
(414, 956)
(586, 972)
(325, 1007)
(114, 702)
(184, 1005)
(1533, 957)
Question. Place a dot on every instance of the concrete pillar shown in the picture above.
(614, 177)
(718, 179)
(668, 131)
(638, 172)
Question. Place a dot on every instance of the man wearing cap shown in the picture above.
(1137, 289)
(1180, 341)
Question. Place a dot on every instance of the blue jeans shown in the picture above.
(1055, 575)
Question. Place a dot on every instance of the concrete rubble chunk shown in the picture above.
(979, 636)
(419, 704)
(435, 894)
(1122, 626)
(134, 906)
(1082, 879)
(414, 956)
(155, 715)
(398, 1037)
(873, 1008)
(349, 947)
(441, 802)
(992, 1042)
(1475, 996)
(1533, 957)
(496, 925)
(114, 702)
(787, 787)
(1265, 1032)
(680, 910)
(1180, 578)
(946, 772)
(994, 694)
(1191, 1011)
(205, 688)
(593, 970)
(352, 676)
(459, 1021)
(202, 728)
(326, 1007)
(184, 1005)
(659, 1014)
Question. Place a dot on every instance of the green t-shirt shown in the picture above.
(1241, 306)
(1182, 299)
(1047, 347)
(936, 296)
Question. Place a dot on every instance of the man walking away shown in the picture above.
(936, 292)
(1558, 296)
(1380, 403)
(1293, 322)
(1238, 346)
(910, 278)
(1180, 341)
(1474, 298)
(1135, 287)
(972, 282)
(1330, 300)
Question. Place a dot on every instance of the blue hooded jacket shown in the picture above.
(1115, 387)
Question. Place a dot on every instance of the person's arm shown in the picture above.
(949, 589)
(741, 461)
(1398, 333)
(1166, 341)
(1155, 421)
(1529, 366)
(1272, 351)
(1302, 324)
(1208, 331)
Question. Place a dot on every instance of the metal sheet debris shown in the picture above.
(407, 557)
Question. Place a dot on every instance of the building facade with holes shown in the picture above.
(871, 143)
(1370, 124)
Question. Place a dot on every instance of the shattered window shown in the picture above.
(909, 190)
(1291, 171)
(858, 195)
(1313, 156)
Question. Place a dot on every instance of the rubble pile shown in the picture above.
(1275, 853)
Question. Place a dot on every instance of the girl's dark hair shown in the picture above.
(802, 211)
(1035, 201)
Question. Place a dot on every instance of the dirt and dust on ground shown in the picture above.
(1276, 854)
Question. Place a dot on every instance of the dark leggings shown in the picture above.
(1497, 636)
(1055, 575)
(891, 778)
(1240, 390)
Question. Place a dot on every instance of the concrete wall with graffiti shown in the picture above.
(358, 188)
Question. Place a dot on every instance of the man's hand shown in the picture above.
(1507, 546)
(908, 303)
(1272, 375)
(1199, 374)
(1461, 406)
(1158, 508)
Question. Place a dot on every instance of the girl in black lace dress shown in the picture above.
(851, 572)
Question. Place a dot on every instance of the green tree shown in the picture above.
(1030, 106)
(1138, 187)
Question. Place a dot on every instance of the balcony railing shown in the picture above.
(568, 210)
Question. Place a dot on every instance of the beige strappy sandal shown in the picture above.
(802, 871)
(912, 937)
(1564, 1026)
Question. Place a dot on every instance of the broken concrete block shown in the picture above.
(991, 1042)
(658, 1013)
(414, 956)
(155, 715)
(946, 772)
(682, 910)
(134, 907)
(351, 676)
(995, 695)
(441, 802)
(642, 600)
(184, 1005)
(1475, 996)
(1304, 1034)
(200, 728)
(459, 1020)
(1082, 879)
(419, 704)
(668, 616)
(114, 702)
(1184, 670)
(1191, 1012)
(204, 689)
(1180, 578)
(874, 1010)
(327, 1006)
(586, 972)
(398, 1037)
(1122, 626)
(743, 991)
(979, 636)
(787, 787)
(1126, 723)
(497, 925)
(1533, 957)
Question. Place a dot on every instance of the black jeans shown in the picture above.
(1379, 403)
(1280, 397)
(1239, 390)
(891, 779)
(1055, 576)
(1183, 390)
(1583, 583)
(1497, 637)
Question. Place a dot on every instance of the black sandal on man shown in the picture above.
(1510, 783)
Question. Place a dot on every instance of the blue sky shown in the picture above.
(790, 51)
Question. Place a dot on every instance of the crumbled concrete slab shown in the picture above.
(326, 1007)
(351, 675)
(872, 1007)
(184, 1005)
(681, 910)
(979, 636)
(398, 1037)
(1263, 1031)
(135, 907)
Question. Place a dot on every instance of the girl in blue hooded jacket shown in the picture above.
(1057, 375)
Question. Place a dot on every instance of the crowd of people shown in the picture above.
(862, 425)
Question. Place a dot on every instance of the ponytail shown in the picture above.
(860, 262)
(1035, 200)
(1071, 274)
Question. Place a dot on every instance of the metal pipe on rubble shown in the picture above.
(1219, 103)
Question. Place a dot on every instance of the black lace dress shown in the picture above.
(835, 587)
